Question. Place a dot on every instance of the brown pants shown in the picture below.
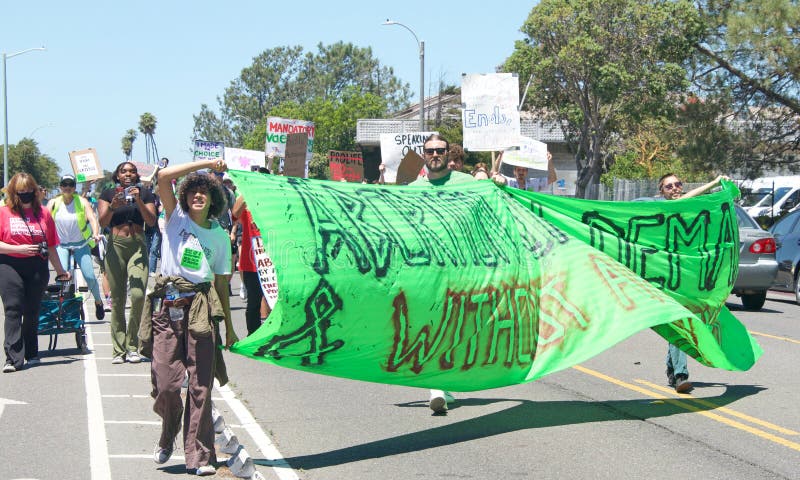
(176, 351)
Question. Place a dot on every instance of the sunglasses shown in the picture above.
(431, 151)
(670, 186)
(68, 184)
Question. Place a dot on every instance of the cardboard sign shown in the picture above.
(409, 168)
(346, 165)
(241, 159)
(490, 116)
(295, 162)
(395, 146)
(278, 131)
(205, 150)
(86, 165)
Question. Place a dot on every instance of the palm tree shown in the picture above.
(127, 143)
(147, 125)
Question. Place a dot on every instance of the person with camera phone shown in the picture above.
(28, 239)
(126, 208)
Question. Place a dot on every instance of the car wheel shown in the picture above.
(797, 286)
(754, 301)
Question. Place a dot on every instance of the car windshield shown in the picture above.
(780, 192)
(753, 198)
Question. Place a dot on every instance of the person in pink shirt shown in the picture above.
(27, 240)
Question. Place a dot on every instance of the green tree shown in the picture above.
(286, 75)
(596, 65)
(747, 69)
(26, 157)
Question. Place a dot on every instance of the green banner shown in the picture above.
(471, 286)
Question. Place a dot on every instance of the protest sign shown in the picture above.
(529, 154)
(241, 159)
(475, 286)
(409, 168)
(205, 150)
(266, 271)
(86, 165)
(346, 165)
(395, 146)
(491, 115)
(278, 131)
(295, 164)
(145, 170)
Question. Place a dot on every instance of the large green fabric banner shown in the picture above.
(472, 286)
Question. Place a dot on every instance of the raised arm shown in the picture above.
(165, 177)
(704, 188)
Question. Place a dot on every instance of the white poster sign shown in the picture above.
(266, 272)
(241, 159)
(86, 165)
(490, 116)
(395, 146)
(205, 150)
(530, 154)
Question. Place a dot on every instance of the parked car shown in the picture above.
(757, 263)
(787, 240)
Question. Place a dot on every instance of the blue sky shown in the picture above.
(108, 62)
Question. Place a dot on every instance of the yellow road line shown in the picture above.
(774, 336)
(727, 410)
(681, 403)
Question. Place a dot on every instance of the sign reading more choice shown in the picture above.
(205, 150)
(490, 117)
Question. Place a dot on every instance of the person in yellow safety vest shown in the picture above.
(76, 223)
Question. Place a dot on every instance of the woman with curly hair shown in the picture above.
(196, 259)
(27, 240)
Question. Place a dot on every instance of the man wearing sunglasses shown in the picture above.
(436, 150)
(671, 188)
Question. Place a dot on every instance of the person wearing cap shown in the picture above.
(77, 228)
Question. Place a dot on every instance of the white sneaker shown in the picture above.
(133, 357)
(161, 455)
(205, 470)
(438, 402)
(242, 293)
(118, 359)
(8, 368)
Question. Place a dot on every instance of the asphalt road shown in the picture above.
(77, 416)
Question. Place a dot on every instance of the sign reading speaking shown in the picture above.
(395, 146)
(490, 117)
(205, 150)
(346, 165)
(86, 165)
(241, 159)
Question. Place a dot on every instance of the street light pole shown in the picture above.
(421, 45)
(5, 110)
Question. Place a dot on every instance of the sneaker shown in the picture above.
(107, 308)
(133, 357)
(118, 359)
(99, 311)
(205, 470)
(9, 368)
(243, 293)
(33, 361)
(161, 455)
(682, 384)
(438, 402)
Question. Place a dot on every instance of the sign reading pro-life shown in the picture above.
(490, 117)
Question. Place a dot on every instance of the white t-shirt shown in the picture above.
(67, 223)
(193, 252)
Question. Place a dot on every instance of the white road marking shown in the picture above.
(98, 448)
(279, 464)
(132, 422)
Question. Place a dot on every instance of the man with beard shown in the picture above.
(436, 150)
